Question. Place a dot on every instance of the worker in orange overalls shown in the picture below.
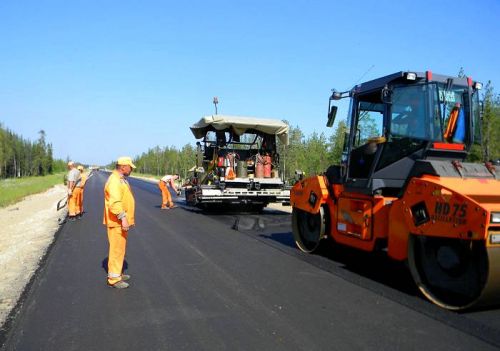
(78, 192)
(74, 178)
(166, 198)
(119, 208)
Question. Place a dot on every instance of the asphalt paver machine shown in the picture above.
(403, 186)
(238, 163)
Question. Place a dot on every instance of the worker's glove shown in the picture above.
(70, 192)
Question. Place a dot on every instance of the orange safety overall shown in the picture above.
(73, 179)
(72, 203)
(118, 201)
(166, 197)
(78, 193)
(73, 208)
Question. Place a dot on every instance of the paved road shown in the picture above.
(198, 284)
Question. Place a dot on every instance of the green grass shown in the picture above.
(13, 190)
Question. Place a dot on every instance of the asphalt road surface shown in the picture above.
(227, 282)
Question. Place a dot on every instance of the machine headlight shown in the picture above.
(411, 76)
(495, 217)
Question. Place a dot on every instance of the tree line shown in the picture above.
(21, 158)
(168, 160)
(490, 128)
(313, 154)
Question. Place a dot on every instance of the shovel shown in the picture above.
(62, 203)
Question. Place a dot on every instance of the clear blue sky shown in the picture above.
(112, 78)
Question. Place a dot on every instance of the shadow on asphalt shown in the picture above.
(376, 266)
(336, 258)
(285, 239)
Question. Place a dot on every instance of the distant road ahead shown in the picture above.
(198, 284)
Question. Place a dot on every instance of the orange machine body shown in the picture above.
(432, 206)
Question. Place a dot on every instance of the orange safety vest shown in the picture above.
(118, 198)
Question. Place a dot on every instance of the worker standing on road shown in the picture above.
(166, 182)
(78, 192)
(119, 208)
(73, 181)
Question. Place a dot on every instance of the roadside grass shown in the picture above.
(13, 190)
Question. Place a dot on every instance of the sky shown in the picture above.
(105, 79)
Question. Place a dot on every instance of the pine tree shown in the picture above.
(337, 143)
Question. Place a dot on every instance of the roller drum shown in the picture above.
(455, 274)
(308, 229)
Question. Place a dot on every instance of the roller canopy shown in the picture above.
(240, 125)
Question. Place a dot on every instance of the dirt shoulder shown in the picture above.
(27, 229)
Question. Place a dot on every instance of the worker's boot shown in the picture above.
(119, 285)
(125, 277)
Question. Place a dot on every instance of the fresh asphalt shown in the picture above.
(226, 282)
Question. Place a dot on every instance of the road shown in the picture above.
(227, 282)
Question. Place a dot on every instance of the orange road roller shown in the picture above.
(403, 186)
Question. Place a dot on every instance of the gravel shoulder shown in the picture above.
(27, 228)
